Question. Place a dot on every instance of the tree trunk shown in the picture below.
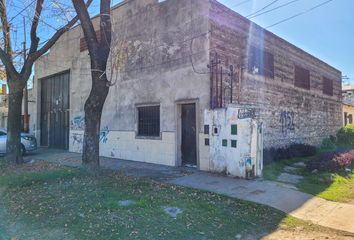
(93, 111)
(99, 52)
(13, 144)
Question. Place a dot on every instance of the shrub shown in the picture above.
(331, 161)
(294, 150)
(333, 139)
(328, 144)
(345, 135)
(302, 150)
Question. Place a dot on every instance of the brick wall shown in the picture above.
(290, 114)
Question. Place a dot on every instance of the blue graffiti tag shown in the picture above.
(104, 135)
(78, 123)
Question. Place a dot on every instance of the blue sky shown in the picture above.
(326, 32)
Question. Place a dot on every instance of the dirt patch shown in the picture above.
(35, 166)
(301, 234)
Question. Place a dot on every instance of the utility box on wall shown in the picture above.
(236, 141)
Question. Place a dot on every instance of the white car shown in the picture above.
(28, 142)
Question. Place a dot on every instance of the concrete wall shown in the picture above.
(348, 110)
(348, 94)
(290, 114)
(236, 144)
(151, 53)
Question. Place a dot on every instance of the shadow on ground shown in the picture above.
(69, 205)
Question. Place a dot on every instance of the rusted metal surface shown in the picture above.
(221, 81)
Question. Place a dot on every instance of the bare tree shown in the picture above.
(17, 77)
(99, 50)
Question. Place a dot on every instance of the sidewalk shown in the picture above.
(304, 206)
(301, 205)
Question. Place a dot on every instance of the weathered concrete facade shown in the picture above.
(155, 38)
(161, 54)
(289, 113)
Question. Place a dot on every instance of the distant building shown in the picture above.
(348, 104)
(3, 106)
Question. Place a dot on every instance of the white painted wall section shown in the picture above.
(235, 142)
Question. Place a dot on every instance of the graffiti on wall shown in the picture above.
(78, 123)
(246, 113)
(287, 122)
(77, 138)
(104, 135)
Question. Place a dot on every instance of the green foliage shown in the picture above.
(336, 161)
(345, 135)
(328, 144)
(31, 178)
(3, 163)
(331, 186)
(336, 187)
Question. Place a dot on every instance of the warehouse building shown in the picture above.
(193, 83)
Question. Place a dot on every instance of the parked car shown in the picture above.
(28, 142)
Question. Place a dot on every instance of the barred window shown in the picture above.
(327, 86)
(302, 78)
(149, 121)
(261, 62)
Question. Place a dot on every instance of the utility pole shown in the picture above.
(25, 94)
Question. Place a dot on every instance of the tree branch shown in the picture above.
(34, 55)
(5, 28)
(6, 52)
(7, 61)
(35, 22)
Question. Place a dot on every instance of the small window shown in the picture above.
(206, 129)
(350, 119)
(261, 62)
(302, 78)
(327, 86)
(149, 121)
(234, 143)
(233, 129)
(224, 142)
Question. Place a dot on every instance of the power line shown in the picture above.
(263, 8)
(299, 14)
(273, 9)
(20, 12)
